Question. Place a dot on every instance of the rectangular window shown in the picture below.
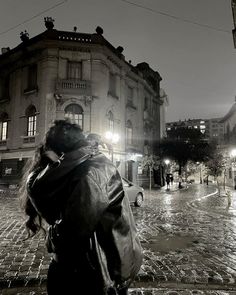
(75, 118)
(112, 84)
(3, 131)
(146, 103)
(32, 77)
(74, 70)
(130, 94)
(129, 135)
(31, 131)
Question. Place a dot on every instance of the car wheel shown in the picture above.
(139, 200)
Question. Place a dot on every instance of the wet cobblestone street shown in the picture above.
(188, 236)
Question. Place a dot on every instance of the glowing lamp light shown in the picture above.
(167, 161)
(113, 137)
(233, 153)
(116, 138)
(108, 135)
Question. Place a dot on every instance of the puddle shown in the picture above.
(172, 243)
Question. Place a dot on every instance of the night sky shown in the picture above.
(197, 63)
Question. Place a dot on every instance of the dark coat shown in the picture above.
(83, 200)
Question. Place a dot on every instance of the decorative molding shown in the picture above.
(64, 100)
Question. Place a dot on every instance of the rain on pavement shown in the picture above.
(188, 239)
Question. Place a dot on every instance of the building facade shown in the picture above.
(211, 129)
(229, 122)
(59, 74)
(216, 130)
(198, 124)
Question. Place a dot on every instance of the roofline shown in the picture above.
(86, 38)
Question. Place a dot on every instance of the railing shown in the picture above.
(70, 84)
(86, 38)
(3, 142)
(29, 139)
(74, 85)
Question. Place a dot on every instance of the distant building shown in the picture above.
(198, 124)
(61, 74)
(211, 129)
(229, 122)
(216, 130)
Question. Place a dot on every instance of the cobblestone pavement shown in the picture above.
(188, 239)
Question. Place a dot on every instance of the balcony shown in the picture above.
(73, 86)
(28, 139)
(3, 144)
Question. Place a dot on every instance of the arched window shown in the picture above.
(111, 121)
(31, 120)
(129, 132)
(75, 113)
(3, 126)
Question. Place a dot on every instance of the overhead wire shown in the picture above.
(175, 17)
(33, 17)
(130, 3)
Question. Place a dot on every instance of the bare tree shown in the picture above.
(215, 167)
(150, 162)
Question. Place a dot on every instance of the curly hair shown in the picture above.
(61, 138)
(34, 221)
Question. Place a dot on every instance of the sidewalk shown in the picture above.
(23, 264)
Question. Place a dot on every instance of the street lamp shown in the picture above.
(113, 138)
(167, 161)
(233, 157)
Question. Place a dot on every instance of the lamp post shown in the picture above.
(233, 157)
(113, 138)
(167, 162)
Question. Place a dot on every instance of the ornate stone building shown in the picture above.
(59, 74)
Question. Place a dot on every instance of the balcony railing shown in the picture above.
(29, 139)
(73, 86)
(3, 144)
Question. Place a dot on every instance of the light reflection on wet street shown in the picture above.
(187, 237)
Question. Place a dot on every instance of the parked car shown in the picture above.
(135, 193)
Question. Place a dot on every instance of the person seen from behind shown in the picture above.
(91, 232)
(168, 181)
